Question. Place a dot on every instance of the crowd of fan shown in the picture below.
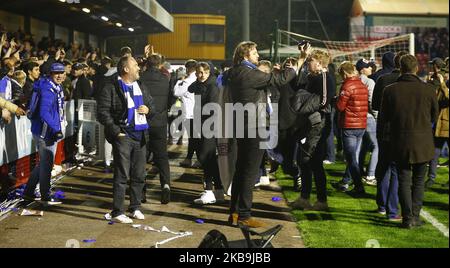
(432, 41)
(304, 88)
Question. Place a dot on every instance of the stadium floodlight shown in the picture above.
(87, 10)
(118, 24)
(105, 18)
(131, 29)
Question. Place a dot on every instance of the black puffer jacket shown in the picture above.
(304, 103)
(112, 109)
(158, 85)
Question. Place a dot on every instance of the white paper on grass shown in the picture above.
(164, 229)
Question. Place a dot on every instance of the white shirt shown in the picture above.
(181, 90)
(370, 84)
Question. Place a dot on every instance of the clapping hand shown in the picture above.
(305, 50)
(3, 40)
(20, 112)
(149, 50)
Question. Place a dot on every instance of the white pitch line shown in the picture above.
(441, 227)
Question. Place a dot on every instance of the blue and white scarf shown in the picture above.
(133, 103)
(57, 89)
(249, 64)
(6, 88)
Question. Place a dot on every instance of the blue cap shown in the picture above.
(361, 64)
(57, 68)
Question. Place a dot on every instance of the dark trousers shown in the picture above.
(129, 164)
(337, 133)
(42, 172)
(331, 148)
(288, 147)
(170, 119)
(158, 146)
(411, 188)
(193, 143)
(387, 183)
(315, 167)
(249, 157)
(208, 158)
(438, 144)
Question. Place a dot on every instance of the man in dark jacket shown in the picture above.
(123, 107)
(32, 70)
(408, 133)
(317, 129)
(158, 85)
(83, 87)
(385, 80)
(388, 66)
(386, 170)
(206, 92)
(248, 85)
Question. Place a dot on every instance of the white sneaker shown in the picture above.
(371, 180)
(207, 197)
(272, 177)
(229, 190)
(137, 214)
(327, 162)
(264, 180)
(123, 219)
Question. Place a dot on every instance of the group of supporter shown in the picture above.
(392, 114)
(432, 41)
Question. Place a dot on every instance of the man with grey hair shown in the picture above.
(123, 108)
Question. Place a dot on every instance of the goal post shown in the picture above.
(346, 50)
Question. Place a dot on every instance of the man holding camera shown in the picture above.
(440, 129)
(47, 124)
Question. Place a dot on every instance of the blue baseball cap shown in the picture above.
(57, 68)
(361, 64)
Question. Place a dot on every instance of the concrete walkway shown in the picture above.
(89, 195)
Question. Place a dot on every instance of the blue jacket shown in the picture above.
(49, 121)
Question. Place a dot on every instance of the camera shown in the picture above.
(302, 43)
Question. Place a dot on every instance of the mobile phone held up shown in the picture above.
(302, 43)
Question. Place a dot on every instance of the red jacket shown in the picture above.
(353, 104)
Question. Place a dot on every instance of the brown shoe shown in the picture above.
(233, 219)
(186, 163)
(301, 203)
(251, 223)
(319, 206)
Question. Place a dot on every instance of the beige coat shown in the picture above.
(442, 122)
(4, 104)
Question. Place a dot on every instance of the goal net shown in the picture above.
(346, 50)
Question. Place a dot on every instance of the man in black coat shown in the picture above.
(248, 85)
(385, 80)
(123, 108)
(158, 87)
(206, 92)
(408, 109)
(83, 87)
(388, 66)
(386, 170)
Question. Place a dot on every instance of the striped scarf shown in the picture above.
(133, 103)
